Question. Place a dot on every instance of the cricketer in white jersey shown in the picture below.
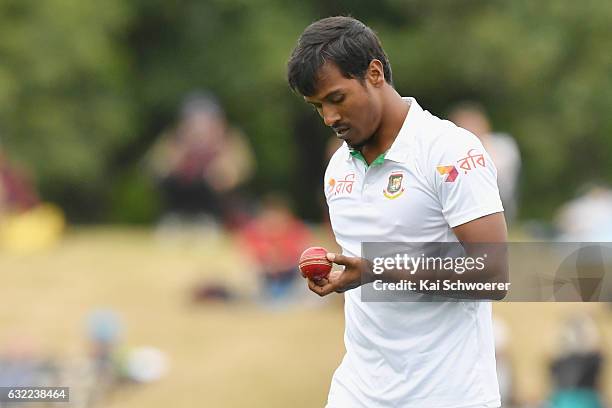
(400, 176)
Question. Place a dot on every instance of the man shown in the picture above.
(400, 176)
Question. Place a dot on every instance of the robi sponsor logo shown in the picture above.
(342, 186)
(450, 171)
(472, 160)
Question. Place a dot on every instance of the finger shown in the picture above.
(314, 287)
(334, 276)
(339, 259)
(321, 290)
(320, 281)
(338, 281)
(342, 281)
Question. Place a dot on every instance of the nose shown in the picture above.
(330, 115)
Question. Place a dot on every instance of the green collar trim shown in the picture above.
(377, 162)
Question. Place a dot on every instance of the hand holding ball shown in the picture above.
(314, 263)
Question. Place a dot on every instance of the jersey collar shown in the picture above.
(377, 162)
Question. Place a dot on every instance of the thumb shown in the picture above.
(338, 259)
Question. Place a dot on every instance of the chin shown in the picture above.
(357, 144)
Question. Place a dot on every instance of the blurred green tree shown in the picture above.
(64, 100)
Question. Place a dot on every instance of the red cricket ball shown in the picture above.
(314, 264)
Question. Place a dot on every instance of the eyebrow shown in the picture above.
(327, 97)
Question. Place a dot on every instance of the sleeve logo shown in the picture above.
(450, 172)
(341, 186)
(470, 161)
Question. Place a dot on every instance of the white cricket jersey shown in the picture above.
(434, 177)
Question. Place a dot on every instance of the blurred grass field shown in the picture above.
(221, 355)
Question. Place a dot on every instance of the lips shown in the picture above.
(341, 132)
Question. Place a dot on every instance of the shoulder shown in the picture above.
(338, 159)
(441, 139)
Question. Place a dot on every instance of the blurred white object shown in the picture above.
(146, 364)
(503, 362)
(579, 335)
(501, 334)
(505, 153)
(587, 218)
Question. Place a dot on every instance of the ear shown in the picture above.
(375, 74)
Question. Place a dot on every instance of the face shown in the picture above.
(352, 108)
(473, 121)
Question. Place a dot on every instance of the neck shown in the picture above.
(394, 111)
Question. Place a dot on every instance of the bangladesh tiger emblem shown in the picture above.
(394, 187)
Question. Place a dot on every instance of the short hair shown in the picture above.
(467, 107)
(345, 41)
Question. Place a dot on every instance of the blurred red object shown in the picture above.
(275, 238)
(16, 191)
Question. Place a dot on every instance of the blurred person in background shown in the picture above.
(26, 223)
(94, 377)
(501, 147)
(104, 332)
(587, 217)
(201, 165)
(275, 239)
(108, 366)
(17, 194)
(576, 370)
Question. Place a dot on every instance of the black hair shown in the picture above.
(345, 41)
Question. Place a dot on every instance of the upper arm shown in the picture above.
(488, 229)
(486, 237)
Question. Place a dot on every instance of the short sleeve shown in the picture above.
(334, 162)
(465, 177)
